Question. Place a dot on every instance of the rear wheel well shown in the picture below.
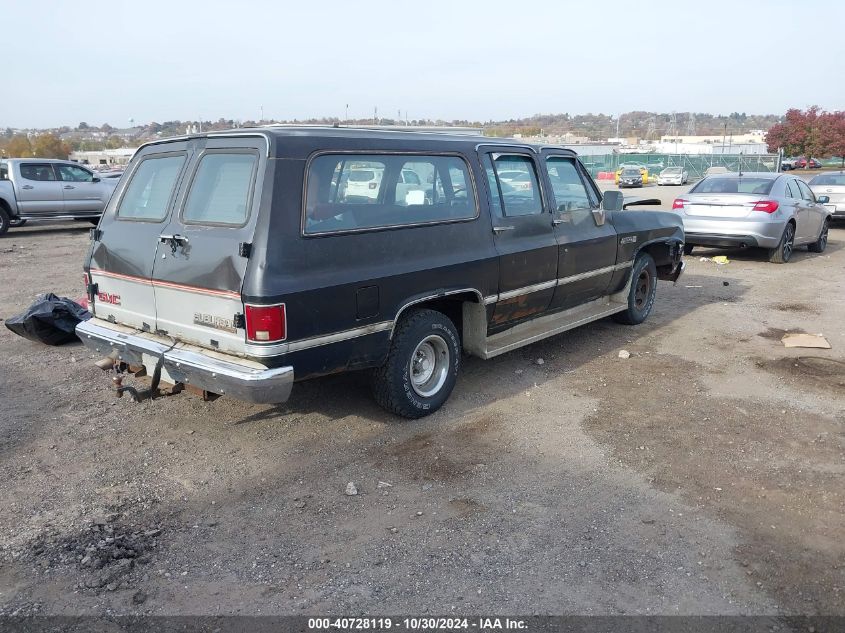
(5, 206)
(451, 306)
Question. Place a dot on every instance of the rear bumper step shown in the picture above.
(191, 365)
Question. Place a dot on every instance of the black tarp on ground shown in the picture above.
(50, 320)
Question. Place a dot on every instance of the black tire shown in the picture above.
(783, 251)
(688, 249)
(94, 221)
(17, 223)
(642, 292)
(395, 385)
(4, 220)
(820, 244)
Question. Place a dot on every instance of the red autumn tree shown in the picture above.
(812, 133)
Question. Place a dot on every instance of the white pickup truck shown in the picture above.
(48, 189)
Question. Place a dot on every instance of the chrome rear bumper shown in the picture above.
(205, 369)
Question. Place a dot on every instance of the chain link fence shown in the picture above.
(695, 164)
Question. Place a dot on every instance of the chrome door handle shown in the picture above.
(27, 187)
(69, 187)
(501, 229)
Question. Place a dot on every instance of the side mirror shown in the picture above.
(822, 199)
(95, 179)
(612, 200)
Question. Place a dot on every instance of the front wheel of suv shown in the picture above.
(642, 292)
(421, 367)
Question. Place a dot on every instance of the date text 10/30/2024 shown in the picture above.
(416, 624)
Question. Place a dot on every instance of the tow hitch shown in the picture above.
(120, 370)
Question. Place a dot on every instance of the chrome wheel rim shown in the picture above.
(642, 289)
(429, 366)
(787, 241)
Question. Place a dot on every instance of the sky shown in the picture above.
(110, 61)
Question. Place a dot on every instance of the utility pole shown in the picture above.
(260, 113)
(346, 116)
(724, 134)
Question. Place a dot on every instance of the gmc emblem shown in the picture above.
(109, 297)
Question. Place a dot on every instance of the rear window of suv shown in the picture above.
(221, 189)
(150, 190)
(354, 192)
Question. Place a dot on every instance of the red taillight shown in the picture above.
(265, 324)
(767, 206)
(679, 203)
(85, 281)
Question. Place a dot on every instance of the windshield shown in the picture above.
(672, 170)
(761, 186)
(826, 179)
(630, 172)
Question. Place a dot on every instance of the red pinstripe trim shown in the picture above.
(167, 284)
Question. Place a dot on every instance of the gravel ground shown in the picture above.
(702, 475)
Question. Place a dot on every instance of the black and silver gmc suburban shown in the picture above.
(237, 263)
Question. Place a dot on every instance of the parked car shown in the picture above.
(630, 177)
(767, 210)
(832, 186)
(642, 168)
(228, 263)
(673, 176)
(46, 189)
(787, 164)
(801, 162)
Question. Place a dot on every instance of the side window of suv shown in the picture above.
(567, 186)
(355, 192)
(514, 187)
(221, 189)
(38, 171)
(150, 190)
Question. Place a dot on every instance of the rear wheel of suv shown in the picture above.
(642, 293)
(421, 367)
(783, 251)
(688, 249)
(820, 244)
(4, 220)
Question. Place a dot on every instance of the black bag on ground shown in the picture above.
(50, 320)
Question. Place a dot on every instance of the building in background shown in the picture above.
(105, 157)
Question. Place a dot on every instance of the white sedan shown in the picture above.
(673, 176)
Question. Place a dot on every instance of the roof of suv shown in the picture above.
(271, 133)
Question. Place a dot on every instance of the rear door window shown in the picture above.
(806, 193)
(150, 191)
(38, 171)
(221, 189)
(514, 186)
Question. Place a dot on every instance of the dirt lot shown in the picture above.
(702, 475)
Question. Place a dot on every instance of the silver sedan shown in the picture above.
(767, 210)
(832, 186)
